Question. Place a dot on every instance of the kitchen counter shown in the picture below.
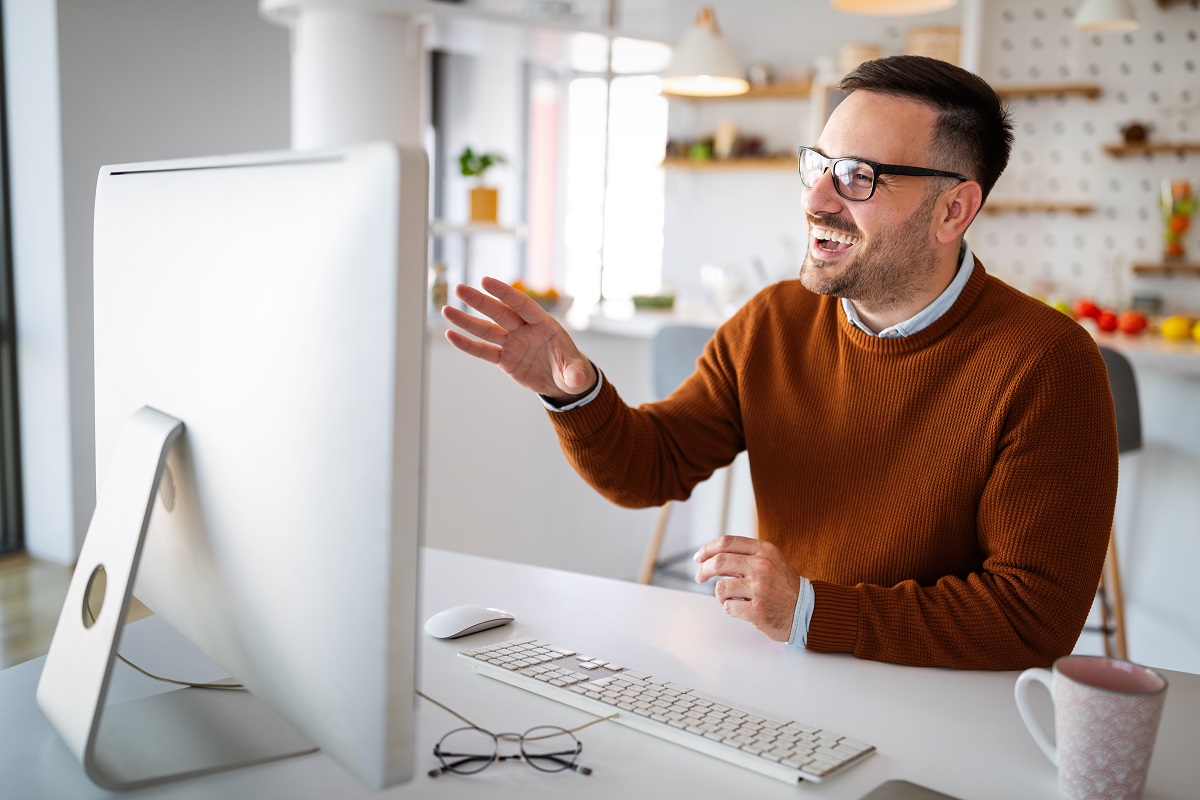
(1153, 352)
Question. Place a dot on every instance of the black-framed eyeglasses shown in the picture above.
(856, 178)
(547, 748)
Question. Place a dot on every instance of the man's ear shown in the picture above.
(956, 211)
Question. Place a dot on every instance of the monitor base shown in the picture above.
(186, 733)
(164, 737)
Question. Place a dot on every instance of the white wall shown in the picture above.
(39, 277)
(95, 82)
(485, 97)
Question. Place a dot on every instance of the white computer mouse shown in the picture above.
(463, 620)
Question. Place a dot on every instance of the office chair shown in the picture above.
(1110, 593)
(673, 354)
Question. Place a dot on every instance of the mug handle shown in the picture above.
(1025, 682)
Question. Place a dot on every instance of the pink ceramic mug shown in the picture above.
(1106, 714)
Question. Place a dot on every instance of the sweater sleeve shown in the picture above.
(645, 456)
(1043, 525)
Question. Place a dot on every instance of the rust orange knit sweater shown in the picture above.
(949, 494)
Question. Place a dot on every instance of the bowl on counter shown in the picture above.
(654, 302)
(555, 305)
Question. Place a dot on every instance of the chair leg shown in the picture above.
(726, 496)
(650, 559)
(1102, 596)
(1113, 567)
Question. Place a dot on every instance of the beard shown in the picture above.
(888, 273)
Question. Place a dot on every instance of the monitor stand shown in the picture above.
(164, 737)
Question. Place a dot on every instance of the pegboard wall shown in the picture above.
(1152, 76)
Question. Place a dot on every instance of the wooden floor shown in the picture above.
(31, 598)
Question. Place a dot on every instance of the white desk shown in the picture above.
(957, 732)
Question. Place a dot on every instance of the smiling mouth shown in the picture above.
(832, 242)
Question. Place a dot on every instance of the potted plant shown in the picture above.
(484, 199)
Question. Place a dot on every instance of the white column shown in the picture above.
(971, 43)
(356, 72)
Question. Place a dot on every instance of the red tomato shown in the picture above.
(1131, 322)
(1107, 321)
(1086, 308)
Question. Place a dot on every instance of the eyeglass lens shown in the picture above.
(466, 751)
(853, 179)
(550, 749)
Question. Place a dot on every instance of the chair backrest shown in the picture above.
(1125, 399)
(673, 354)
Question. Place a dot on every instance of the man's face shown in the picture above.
(879, 252)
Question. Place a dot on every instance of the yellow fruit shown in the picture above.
(1196, 331)
(1175, 328)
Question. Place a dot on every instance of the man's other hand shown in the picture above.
(523, 339)
(756, 583)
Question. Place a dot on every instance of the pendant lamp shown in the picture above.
(703, 63)
(1106, 16)
(891, 7)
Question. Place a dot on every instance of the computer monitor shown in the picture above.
(259, 335)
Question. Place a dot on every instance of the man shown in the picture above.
(934, 454)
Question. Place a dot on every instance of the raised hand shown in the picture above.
(523, 339)
(756, 584)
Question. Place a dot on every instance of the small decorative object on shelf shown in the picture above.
(1178, 204)
(760, 74)
(1136, 133)
(485, 200)
(440, 290)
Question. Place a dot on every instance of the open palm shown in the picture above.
(522, 338)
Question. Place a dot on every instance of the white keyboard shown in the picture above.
(766, 743)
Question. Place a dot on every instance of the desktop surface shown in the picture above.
(957, 732)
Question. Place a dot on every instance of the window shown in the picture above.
(613, 230)
(10, 485)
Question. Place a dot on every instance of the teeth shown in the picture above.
(835, 236)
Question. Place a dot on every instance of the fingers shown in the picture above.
(723, 565)
(473, 347)
(731, 544)
(504, 315)
(732, 589)
(730, 555)
(476, 326)
(526, 308)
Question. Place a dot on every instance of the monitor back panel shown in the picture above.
(275, 303)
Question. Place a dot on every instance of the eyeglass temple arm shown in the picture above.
(463, 758)
(582, 770)
(897, 169)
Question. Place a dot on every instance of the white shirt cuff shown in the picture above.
(583, 401)
(804, 611)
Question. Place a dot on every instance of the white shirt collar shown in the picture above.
(926, 316)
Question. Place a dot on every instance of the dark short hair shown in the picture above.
(974, 131)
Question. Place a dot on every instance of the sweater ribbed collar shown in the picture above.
(922, 338)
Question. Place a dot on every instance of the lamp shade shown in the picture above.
(1106, 16)
(703, 63)
(891, 7)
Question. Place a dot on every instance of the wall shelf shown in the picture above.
(1151, 148)
(1089, 90)
(442, 228)
(765, 162)
(1167, 268)
(771, 91)
(1036, 207)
